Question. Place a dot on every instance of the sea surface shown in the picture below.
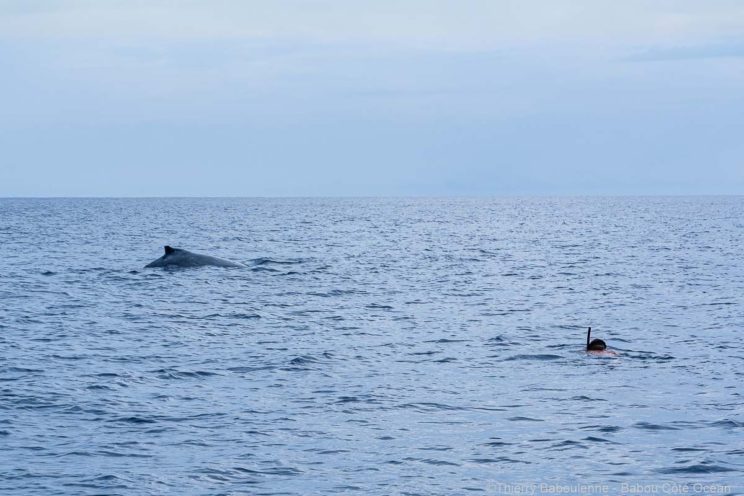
(371, 346)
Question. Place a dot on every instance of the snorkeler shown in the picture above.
(594, 344)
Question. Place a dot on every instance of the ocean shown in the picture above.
(430, 346)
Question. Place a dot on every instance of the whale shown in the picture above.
(177, 257)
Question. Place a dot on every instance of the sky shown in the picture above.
(371, 97)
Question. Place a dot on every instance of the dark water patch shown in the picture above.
(270, 471)
(182, 374)
(432, 461)
(648, 356)
(498, 341)
(595, 439)
(157, 430)
(237, 474)
(119, 454)
(564, 346)
(429, 407)
(21, 370)
(542, 388)
(265, 268)
(435, 448)
(191, 418)
(464, 294)
(567, 444)
(103, 482)
(248, 369)
(75, 453)
(336, 292)
(357, 399)
(243, 316)
(320, 270)
(602, 428)
(328, 452)
(345, 488)
(647, 426)
(32, 292)
(497, 444)
(503, 312)
(77, 409)
(378, 306)
(99, 387)
(586, 398)
(727, 424)
(687, 425)
(306, 312)
(416, 302)
(486, 409)
(69, 357)
(697, 468)
(134, 420)
(305, 362)
(193, 442)
(539, 357)
(10, 296)
(36, 403)
(498, 460)
(274, 261)
(90, 270)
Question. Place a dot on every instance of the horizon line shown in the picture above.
(288, 197)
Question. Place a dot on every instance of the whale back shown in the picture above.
(177, 257)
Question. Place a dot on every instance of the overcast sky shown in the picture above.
(371, 97)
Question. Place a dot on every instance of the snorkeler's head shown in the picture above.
(594, 344)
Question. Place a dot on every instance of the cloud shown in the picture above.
(730, 49)
(440, 24)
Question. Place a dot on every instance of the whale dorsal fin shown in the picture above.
(169, 250)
